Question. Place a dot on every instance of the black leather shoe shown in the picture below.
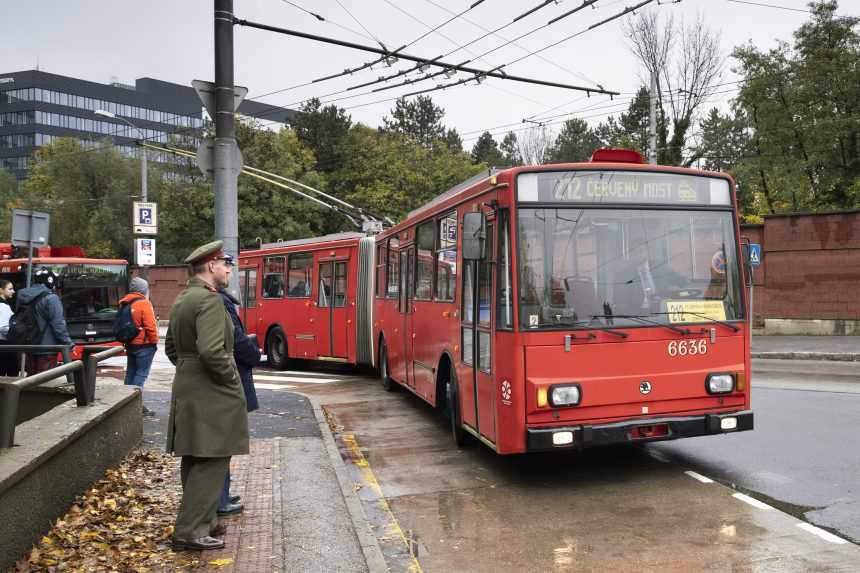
(235, 498)
(199, 544)
(231, 509)
(219, 530)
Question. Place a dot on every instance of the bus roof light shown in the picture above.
(615, 155)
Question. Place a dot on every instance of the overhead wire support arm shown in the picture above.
(503, 76)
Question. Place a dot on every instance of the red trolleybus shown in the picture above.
(573, 305)
(89, 288)
(310, 298)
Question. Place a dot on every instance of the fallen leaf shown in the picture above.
(221, 562)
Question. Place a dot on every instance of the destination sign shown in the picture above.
(621, 187)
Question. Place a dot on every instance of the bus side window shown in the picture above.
(273, 277)
(251, 288)
(298, 278)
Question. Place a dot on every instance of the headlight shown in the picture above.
(564, 395)
(720, 383)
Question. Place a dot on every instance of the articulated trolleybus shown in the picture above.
(565, 306)
(310, 299)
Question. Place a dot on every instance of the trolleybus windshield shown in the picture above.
(592, 266)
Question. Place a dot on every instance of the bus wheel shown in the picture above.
(276, 350)
(461, 437)
(387, 383)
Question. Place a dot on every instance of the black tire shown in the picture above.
(276, 349)
(387, 383)
(462, 438)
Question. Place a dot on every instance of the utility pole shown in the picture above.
(225, 168)
(652, 121)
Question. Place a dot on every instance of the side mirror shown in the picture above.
(474, 236)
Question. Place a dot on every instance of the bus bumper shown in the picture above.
(642, 430)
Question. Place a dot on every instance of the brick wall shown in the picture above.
(165, 283)
(810, 267)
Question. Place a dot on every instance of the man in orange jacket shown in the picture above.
(141, 350)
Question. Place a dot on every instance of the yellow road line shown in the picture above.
(392, 528)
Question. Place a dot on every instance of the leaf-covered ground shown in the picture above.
(122, 523)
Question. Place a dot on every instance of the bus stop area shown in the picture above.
(343, 476)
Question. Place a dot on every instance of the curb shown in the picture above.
(366, 539)
(834, 356)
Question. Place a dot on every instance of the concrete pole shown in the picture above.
(226, 173)
(652, 121)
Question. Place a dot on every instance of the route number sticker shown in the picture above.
(695, 310)
(688, 347)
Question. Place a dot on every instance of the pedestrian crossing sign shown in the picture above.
(755, 254)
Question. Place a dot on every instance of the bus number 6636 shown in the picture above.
(688, 347)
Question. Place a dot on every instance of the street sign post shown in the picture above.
(755, 254)
(145, 218)
(144, 252)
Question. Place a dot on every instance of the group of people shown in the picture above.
(213, 388)
(49, 322)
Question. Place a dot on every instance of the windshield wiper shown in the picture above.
(587, 323)
(677, 329)
(724, 323)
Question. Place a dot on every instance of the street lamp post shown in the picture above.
(143, 170)
(144, 273)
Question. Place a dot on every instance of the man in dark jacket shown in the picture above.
(49, 315)
(247, 356)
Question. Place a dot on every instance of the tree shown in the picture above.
(510, 149)
(575, 143)
(8, 198)
(802, 105)
(322, 130)
(688, 64)
(390, 175)
(419, 120)
(453, 140)
(487, 151)
(535, 145)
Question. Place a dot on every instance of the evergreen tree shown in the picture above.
(419, 120)
(322, 129)
(510, 149)
(576, 142)
(487, 151)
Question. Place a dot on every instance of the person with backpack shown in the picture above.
(39, 319)
(8, 360)
(136, 328)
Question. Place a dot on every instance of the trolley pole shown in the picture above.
(225, 167)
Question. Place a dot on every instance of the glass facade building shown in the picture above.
(37, 107)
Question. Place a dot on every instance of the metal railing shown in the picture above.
(81, 373)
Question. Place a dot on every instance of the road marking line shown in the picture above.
(392, 527)
(300, 373)
(295, 379)
(752, 501)
(659, 456)
(825, 535)
(273, 386)
(699, 477)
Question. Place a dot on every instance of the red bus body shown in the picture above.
(89, 289)
(512, 349)
(309, 299)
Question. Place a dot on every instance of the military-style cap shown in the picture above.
(209, 252)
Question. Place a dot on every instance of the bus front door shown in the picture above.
(407, 258)
(477, 394)
(331, 326)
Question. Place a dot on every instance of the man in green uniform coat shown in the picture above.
(208, 418)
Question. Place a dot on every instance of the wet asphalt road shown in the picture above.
(436, 508)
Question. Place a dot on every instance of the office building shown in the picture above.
(37, 107)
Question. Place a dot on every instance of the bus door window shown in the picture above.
(485, 284)
(446, 257)
(392, 271)
(504, 300)
(324, 293)
(340, 284)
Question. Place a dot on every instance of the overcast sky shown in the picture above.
(172, 40)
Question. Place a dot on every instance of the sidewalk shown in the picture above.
(839, 348)
(301, 511)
